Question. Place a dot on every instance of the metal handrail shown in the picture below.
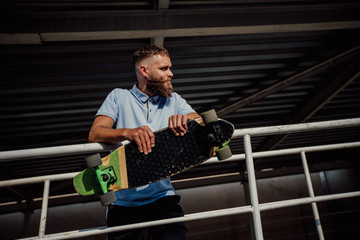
(255, 206)
(235, 157)
(198, 216)
(17, 155)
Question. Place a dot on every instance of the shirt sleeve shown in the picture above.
(110, 106)
(183, 106)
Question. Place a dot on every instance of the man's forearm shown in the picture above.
(107, 135)
(143, 136)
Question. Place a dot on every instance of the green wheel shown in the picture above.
(223, 153)
(209, 116)
(93, 160)
(107, 198)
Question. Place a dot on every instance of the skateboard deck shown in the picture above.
(128, 168)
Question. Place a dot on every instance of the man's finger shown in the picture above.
(185, 120)
(143, 144)
(182, 124)
(147, 143)
(151, 138)
(172, 125)
(138, 143)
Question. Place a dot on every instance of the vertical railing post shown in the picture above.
(252, 188)
(44, 208)
(311, 194)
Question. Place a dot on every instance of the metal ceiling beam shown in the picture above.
(42, 37)
(319, 68)
(325, 94)
(34, 27)
(158, 40)
(33, 20)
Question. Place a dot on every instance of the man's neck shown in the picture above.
(143, 89)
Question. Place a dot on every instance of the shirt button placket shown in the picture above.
(149, 107)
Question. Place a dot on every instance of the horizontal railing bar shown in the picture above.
(307, 200)
(15, 155)
(40, 179)
(199, 216)
(39, 199)
(289, 151)
(55, 151)
(295, 128)
(237, 157)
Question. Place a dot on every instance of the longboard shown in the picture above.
(127, 168)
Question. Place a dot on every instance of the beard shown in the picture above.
(160, 86)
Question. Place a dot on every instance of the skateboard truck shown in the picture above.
(104, 177)
(217, 137)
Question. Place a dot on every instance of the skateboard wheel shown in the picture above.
(107, 198)
(209, 116)
(93, 160)
(223, 153)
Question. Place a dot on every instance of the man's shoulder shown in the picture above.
(119, 92)
(175, 95)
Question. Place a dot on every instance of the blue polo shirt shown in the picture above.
(132, 109)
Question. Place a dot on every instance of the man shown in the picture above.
(134, 115)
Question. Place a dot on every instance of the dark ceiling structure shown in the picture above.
(257, 63)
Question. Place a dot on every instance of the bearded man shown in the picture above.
(134, 115)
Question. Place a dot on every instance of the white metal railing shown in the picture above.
(255, 207)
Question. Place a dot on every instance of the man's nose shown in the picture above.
(170, 74)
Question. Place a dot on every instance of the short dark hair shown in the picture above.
(148, 51)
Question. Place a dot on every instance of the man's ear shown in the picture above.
(144, 71)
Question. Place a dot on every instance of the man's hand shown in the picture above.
(102, 131)
(178, 124)
(144, 138)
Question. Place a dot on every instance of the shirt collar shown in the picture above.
(142, 97)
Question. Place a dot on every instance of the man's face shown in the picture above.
(159, 80)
